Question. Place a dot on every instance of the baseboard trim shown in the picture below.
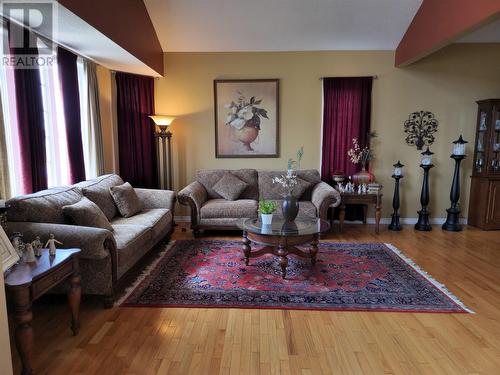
(370, 220)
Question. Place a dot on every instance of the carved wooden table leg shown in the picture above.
(314, 249)
(246, 248)
(23, 332)
(341, 216)
(378, 213)
(74, 297)
(282, 253)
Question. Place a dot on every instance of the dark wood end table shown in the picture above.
(365, 200)
(25, 282)
(281, 239)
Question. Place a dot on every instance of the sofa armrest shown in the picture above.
(193, 195)
(95, 243)
(155, 198)
(324, 196)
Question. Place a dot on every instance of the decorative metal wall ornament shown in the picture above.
(420, 127)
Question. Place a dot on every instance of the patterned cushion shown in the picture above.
(209, 177)
(126, 199)
(306, 209)
(44, 206)
(221, 208)
(86, 213)
(230, 187)
(157, 219)
(269, 190)
(300, 188)
(98, 192)
(132, 242)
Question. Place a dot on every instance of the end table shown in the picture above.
(365, 200)
(25, 282)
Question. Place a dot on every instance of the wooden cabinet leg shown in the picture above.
(74, 297)
(378, 214)
(24, 331)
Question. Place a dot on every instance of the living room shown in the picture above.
(148, 142)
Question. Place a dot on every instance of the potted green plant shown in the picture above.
(266, 209)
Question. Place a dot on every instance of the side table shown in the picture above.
(25, 282)
(365, 200)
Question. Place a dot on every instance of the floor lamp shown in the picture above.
(164, 136)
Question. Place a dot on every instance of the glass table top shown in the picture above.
(299, 227)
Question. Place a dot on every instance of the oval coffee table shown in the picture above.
(281, 238)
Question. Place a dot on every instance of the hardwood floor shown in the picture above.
(143, 341)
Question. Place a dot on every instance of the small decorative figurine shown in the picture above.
(17, 243)
(51, 243)
(364, 188)
(30, 254)
(37, 246)
(360, 189)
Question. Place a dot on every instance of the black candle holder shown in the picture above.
(452, 222)
(395, 225)
(423, 223)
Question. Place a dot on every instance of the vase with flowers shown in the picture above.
(361, 156)
(288, 181)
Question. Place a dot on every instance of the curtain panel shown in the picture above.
(136, 143)
(4, 162)
(346, 115)
(30, 122)
(95, 144)
(68, 78)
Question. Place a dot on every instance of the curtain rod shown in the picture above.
(374, 77)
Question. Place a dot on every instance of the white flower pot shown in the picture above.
(267, 219)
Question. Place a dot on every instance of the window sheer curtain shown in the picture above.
(4, 161)
(93, 149)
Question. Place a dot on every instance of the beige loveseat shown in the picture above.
(106, 255)
(210, 211)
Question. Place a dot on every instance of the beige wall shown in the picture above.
(5, 358)
(447, 83)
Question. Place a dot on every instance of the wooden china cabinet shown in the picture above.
(484, 202)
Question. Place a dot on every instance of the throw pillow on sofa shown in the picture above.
(87, 214)
(230, 187)
(126, 199)
(300, 188)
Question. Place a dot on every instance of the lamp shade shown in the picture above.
(398, 169)
(459, 146)
(162, 120)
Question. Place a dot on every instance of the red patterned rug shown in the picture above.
(347, 276)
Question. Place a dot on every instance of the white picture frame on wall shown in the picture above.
(7, 251)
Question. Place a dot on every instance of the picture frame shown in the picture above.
(7, 251)
(247, 118)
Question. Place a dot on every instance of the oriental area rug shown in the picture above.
(346, 277)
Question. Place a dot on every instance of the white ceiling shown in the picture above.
(489, 33)
(77, 35)
(280, 25)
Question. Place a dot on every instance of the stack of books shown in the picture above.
(374, 188)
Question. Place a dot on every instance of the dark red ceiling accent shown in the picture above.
(440, 22)
(126, 22)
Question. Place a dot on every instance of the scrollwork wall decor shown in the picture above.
(420, 127)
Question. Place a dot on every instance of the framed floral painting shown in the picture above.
(246, 118)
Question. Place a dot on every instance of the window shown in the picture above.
(8, 97)
(58, 172)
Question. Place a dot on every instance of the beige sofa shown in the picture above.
(106, 255)
(210, 211)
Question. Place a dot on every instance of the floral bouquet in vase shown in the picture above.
(361, 156)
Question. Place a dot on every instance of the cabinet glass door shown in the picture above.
(480, 147)
(495, 143)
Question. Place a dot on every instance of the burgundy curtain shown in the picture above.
(136, 143)
(347, 111)
(68, 77)
(30, 121)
